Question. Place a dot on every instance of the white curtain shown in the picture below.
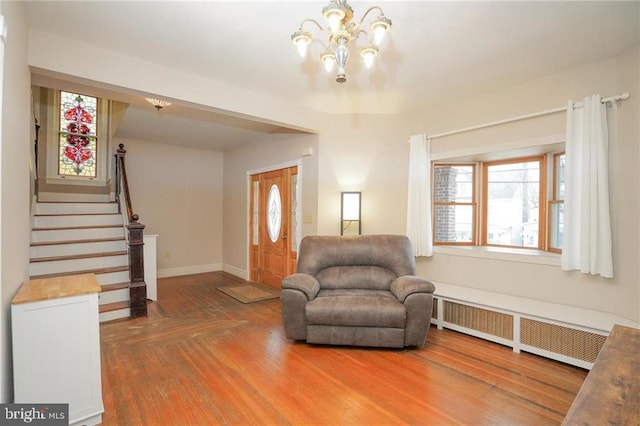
(587, 228)
(419, 206)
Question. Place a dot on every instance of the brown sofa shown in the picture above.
(359, 291)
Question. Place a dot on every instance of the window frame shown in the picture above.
(553, 200)
(473, 204)
(547, 197)
(541, 159)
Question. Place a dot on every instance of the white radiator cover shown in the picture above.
(567, 334)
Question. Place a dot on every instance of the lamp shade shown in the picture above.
(350, 223)
(301, 39)
(334, 13)
(350, 206)
(380, 27)
(368, 53)
(158, 103)
(328, 59)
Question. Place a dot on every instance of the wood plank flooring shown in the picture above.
(203, 358)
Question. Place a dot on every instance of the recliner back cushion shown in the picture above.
(364, 277)
(365, 261)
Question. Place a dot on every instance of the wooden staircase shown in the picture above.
(71, 238)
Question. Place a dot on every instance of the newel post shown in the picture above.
(137, 288)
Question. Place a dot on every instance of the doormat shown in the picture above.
(250, 293)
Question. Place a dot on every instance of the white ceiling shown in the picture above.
(434, 50)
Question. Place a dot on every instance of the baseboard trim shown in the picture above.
(199, 269)
(189, 270)
(240, 273)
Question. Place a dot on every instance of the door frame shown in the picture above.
(298, 230)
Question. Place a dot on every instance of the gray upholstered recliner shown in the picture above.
(359, 291)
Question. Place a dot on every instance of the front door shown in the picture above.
(273, 196)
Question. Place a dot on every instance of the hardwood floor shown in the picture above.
(201, 357)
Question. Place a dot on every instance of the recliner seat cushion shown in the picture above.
(356, 292)
(356, 310)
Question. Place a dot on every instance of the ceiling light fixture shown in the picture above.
(158, 103)
(341, 30)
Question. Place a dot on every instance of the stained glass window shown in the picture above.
(77, 135)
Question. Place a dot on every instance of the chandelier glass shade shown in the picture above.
(340, 31)
(158, 103)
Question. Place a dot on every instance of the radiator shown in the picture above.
(567, 341)
(563, 342)
(482, 320)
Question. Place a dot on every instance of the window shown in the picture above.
(556, 204)
(510, 208)
(454, 204)
(77, 135)
(511, 195)
(274, 213)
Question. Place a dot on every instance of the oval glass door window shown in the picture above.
(274, 213)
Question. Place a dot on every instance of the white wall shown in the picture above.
(370, 153)
(15, 182)
(177, 192)
(283, 149)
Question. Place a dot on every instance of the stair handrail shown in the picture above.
(122, 183)
(137, 286)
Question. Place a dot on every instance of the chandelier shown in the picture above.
(341, 30)
(158, 104)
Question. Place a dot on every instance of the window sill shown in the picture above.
(71, 180)
(502, 253)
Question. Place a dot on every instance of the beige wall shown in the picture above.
(370, 153)
(177, 192)
(15, 186)
(618, 296)
(283, 149)
(367, 153)
(627, 171)
(49, 52)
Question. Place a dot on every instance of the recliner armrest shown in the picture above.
(405, 285)
(305, 283)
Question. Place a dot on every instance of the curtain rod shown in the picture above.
(621, 97)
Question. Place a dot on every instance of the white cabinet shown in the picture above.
(56, 345)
